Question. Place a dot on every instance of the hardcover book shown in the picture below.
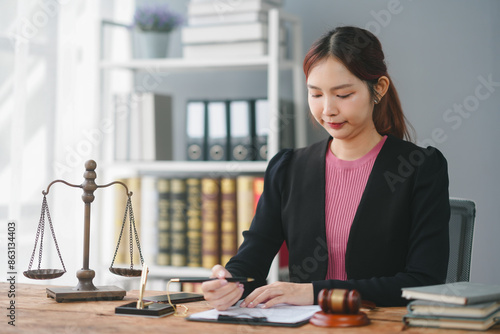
(221, 8)
(462, 293)
(245, 204)
(228, 220)
(453, 322)
(423, 307)
(230, 17)
(210, 203)
(163, 187)
(149, 217)
(224, 50)
(178, 230)
(193, 187)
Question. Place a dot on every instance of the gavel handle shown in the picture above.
(368, 304)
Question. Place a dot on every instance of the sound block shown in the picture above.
(323, 319)
(155, 310)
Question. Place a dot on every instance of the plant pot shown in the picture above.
(150, 44)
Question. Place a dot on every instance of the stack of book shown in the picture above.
(221, 29)
(460, 305)
(235, 129)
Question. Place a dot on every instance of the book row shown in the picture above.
(198, 222)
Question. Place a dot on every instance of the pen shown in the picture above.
(202, 279)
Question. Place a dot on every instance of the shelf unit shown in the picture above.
(273, 63)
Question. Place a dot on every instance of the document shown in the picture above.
(279, 315)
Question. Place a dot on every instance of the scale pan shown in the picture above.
(126, 272)
(44, 273)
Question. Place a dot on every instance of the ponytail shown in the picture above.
(388, 115)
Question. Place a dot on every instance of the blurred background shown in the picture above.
(443, 57)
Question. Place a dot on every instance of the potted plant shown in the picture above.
(151, 30)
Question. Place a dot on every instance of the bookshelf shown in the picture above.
(272, 63)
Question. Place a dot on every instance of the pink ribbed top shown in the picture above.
(345, 184)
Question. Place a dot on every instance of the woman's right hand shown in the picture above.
(220, 293)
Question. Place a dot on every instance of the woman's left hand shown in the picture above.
(280, 292)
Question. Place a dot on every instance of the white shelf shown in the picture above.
(183, 65)
(202, 167)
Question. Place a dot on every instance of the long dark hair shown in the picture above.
(361, 52)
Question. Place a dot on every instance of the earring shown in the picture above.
(375, 100)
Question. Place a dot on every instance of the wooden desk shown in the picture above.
(35, 313)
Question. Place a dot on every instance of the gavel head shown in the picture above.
(339, 301)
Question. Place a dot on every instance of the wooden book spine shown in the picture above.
(193, 186)
(210, 202)
(228, 220)
(163, 188)
(178, 230)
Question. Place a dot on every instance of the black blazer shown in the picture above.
(399, 236)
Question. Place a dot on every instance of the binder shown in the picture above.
(218, 132)
(284, 126)
(241, 125)
(196, 115)
(261, 114)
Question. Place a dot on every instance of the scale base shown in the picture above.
(71, 294)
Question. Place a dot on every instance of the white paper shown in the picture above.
(282, 313)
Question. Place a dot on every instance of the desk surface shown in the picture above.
(35, 313)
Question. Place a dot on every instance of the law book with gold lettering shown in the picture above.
(210, 203)
(228, 220)
(178, 228)
(244, 204)
(193, 189)
(163, 188)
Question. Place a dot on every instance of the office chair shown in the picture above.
(463, 214)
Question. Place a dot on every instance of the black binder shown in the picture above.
(241, 130)
(261, 115)
(196, 115)
(218, 131)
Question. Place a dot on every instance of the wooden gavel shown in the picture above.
(339, 301)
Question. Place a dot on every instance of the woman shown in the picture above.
(363, 209)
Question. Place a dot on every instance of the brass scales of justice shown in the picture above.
(85, 290)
